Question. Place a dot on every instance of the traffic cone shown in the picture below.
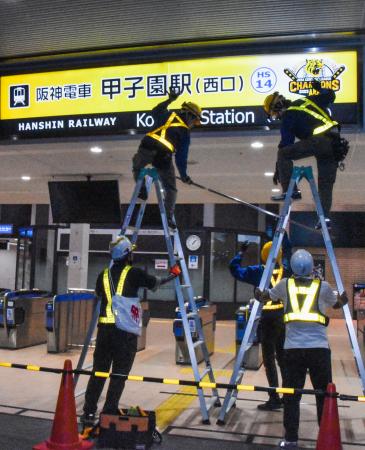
(329, 436)
(64, 435)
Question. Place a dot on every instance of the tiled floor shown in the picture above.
(35, 393)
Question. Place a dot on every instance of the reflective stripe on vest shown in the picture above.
(305, 313)
(277, 275)
(160, 133)
(319, 114)
(109, 317)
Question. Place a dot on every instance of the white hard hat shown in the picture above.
(120, 248)
(301, 263)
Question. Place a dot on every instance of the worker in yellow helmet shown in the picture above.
(271, 325)
(307, 119)
(170, 136)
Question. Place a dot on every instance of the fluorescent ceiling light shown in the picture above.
(257, 144)
(96, 149)
(25, 177)
(269, 174)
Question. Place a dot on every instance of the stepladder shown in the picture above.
(184, 292)
(298, 174)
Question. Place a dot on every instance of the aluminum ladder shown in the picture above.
(238, 371)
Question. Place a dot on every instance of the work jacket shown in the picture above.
(302, 305)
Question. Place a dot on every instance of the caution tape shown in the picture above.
(197, 384)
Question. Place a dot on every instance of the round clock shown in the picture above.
(193, 242)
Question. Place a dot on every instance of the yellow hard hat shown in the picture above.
(192, 108)
(270, 101)
(266, 250)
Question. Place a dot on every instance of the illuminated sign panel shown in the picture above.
(110, 100)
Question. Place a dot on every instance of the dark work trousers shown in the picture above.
(162, 161)
(298, 361)
(272, 342)
(321, 148)
(114, 348)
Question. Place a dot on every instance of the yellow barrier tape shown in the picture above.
(102, 374)
(135, 378)
(244, 387)
(206, 384)
(171, 381)
(361, 398)
(5, 364)
(30, 367)
(285, 390)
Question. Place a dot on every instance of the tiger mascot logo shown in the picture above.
(313, 66)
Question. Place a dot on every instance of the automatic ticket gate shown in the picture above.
(207, 313)
(21, 318)
(67, 319)
(253, 356)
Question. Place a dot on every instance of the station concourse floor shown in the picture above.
(28, 398)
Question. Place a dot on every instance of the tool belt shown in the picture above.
(340, 146)
(133, 428)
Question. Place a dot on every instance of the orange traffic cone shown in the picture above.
(64, 435)
(329, 436)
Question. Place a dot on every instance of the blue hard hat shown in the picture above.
(301, 263)
(120, 248)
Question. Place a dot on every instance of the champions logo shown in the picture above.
(301, 79)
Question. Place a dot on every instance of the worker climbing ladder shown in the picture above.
(247, 341)
(184, 290)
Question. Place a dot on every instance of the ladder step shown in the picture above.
(192, 315)
(133, 229)
(205, 372)
(185, 286)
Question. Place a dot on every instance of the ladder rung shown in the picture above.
(133, 229)
(197, 343)
(192, 315)
(205, 372)
(185, 286)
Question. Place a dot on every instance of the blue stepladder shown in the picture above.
(238, 371)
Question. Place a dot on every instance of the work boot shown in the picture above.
(296, 195)
(171, 223)
(319, 225)
(271, 405)
(87, 420)
(288, 444)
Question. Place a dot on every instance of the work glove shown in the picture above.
(342, 300)
(173, 94)
(316, 85)
(261, 296)
(175, 270)
(187, 179)
(244, 246)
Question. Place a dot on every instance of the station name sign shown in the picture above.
(112, 100)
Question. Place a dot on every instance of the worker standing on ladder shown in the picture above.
(119, 325)
(271, 326)
(171, 136)
(306, 345)
(308, 120)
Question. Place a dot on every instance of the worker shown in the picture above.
(306, 345)
(308, 120)
(119, 325)
(171, 136)
(271, 326)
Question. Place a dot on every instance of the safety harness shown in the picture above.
(276, 276)
(308, 311)
(311, 108)
(160, 133)
(109, 316)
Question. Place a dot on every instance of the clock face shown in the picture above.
(193, 242)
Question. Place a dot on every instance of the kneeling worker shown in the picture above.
(306, 345)
(120, 323)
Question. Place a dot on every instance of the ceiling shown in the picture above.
(222, 161)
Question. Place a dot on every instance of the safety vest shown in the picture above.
(160, 133)
(311, 108)
(304, 309)
(109, 316)
(276, 276)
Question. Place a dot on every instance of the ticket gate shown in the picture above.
(67, 319)
(253, 356)
(207, 313)
(21, 318)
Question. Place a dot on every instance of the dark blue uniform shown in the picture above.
(301, 125)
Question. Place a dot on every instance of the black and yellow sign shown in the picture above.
(110, 100)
